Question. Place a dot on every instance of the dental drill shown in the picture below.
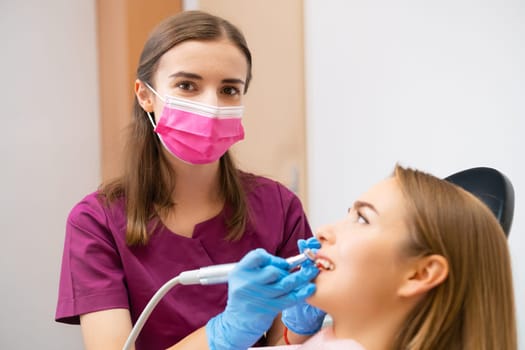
(208, 275)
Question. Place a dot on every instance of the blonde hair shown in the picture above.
(474, 307)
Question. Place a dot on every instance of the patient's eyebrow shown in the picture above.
(361, 204)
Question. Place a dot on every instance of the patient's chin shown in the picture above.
(326, 296)
(317, 299)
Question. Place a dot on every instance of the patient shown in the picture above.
(418, 263)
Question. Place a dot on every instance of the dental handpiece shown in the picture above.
(205, 275)
(219, 273)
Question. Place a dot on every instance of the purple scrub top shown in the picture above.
(100, 272)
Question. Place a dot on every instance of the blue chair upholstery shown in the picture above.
(493, 188)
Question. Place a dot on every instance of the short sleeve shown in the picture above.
(92, 277)
(296, 224)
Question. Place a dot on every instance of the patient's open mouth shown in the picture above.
(324, 264)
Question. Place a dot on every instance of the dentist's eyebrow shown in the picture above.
(188, 75)
(233, 81)
(185, 75)
(361, 204)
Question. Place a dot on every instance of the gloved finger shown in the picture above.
(293, 298)
(259, 258)
(313, 242)
(279, 282)
(302, 245)
(271, 282)
(297, 279)
(310, 243)
(296, 296)
(263, 276)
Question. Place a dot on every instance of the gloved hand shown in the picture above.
(259, 288)
(303, 318)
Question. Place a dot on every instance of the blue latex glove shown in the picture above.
(259, 288)
(303, 318)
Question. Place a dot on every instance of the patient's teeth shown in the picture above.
(324, 264)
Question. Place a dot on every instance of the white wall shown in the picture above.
(438, 85)
(49, 156)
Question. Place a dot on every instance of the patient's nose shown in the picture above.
(325, 234)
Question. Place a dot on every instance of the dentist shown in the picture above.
(180, 204)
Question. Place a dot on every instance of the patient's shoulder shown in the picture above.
(324, 339)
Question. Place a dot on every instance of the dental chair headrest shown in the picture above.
(491, 187)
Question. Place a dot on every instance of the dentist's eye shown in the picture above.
(187, 86)
(230, 90)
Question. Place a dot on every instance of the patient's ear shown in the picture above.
(423, 275)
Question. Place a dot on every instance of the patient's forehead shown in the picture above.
(386, 197)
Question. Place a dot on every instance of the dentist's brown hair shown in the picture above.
(148, 181)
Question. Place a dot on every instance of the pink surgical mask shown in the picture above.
(197, 133)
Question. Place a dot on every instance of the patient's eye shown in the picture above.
(361, 219)
(356, 216)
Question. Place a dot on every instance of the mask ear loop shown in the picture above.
(160, 97)
(151, 120)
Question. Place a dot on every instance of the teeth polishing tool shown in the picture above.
(219, 273)
(206, 276)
